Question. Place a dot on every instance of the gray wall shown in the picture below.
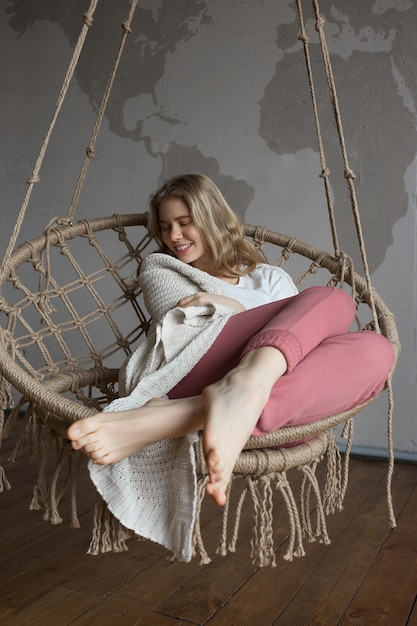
(220, 87)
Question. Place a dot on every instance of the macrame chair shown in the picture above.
(76, 284)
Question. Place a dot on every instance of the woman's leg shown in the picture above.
(327, 370)
(295, 326)
(232, 409)
(342, 372)
(111, 436)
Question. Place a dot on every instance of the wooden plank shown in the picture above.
(179, 582)
(63, 561)
(26, 535)
(412, 620)
(58, 607)
(75, 571)
(387, 593)
(137, 597)
(225, 576)
(153, 619)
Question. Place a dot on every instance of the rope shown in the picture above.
(35, 178)
(325, 171)
(350, 178)
(127, 29)
(391, 459)
(348, 172)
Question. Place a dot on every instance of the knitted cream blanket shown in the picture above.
(153, 492)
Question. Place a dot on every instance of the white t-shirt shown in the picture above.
(265, 284)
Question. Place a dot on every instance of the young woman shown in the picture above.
(281, 358)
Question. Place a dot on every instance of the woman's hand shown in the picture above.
(201, 297)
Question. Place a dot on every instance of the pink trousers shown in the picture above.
(329, 368)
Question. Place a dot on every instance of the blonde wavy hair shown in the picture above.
(220, 228)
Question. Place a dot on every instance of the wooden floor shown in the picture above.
(368, 575)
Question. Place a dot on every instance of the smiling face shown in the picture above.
(180, 235)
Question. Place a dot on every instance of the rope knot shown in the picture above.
(33, 179)
(88, 19)
(130, 293)
(259, 237)
(320, 22)
(85, 281)
(314, 267)
(63, 221)
(123, 343)
(45, 306)
(71, 362)
(126, 27)
(325, 172)
(304, 38)
(349, 174)
(90, 152)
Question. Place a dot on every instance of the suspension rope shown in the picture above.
(348, 172)
(35, 178)
(127, 29)
(325, 170)
(350, 178)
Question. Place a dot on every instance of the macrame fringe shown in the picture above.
(58, 473)
(307, 520)
(333, 493)
(58, 467)
(5, 401)
(4, 483)
(198, 544)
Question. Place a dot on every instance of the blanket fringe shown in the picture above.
(109, 535)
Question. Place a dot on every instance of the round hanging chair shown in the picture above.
(71, 312)
(100, 307)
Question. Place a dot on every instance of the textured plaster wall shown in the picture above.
(220, 87)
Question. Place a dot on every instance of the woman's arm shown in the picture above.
(201, 297)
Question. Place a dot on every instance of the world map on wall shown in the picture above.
(197, 89)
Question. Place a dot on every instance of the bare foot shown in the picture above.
(109, 437)
(232, 412)
(233, 407)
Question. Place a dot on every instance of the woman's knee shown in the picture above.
(377, 351)
(337, 302)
